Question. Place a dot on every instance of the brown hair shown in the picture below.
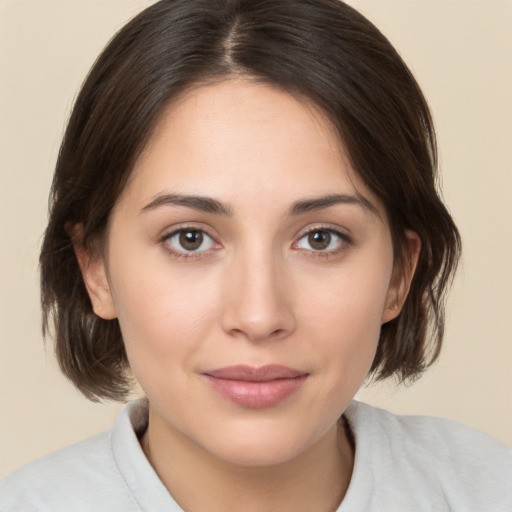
(323, 50)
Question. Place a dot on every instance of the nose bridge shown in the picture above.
(258, 304)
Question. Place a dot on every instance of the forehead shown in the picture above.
(237, 138)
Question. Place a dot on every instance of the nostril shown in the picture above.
(258, 333)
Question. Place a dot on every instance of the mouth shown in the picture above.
(256, 388)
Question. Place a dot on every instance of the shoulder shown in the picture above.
(440, 437)
(83, 476)
(469, 470)
(104, 473)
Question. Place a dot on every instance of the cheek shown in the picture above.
(350, 301)
(164, 313)
(344, 316)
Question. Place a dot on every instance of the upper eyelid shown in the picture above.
(336, 230)
(170, 232)
(323, 228)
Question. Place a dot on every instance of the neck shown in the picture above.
(315, 480)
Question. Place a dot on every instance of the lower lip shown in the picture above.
(256, 395)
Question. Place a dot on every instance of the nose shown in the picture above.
(258, 300)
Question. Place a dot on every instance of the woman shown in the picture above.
(244, 218)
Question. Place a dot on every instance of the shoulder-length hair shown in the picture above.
(322, 50)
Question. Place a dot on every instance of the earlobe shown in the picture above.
(94, 275)
(402, 278)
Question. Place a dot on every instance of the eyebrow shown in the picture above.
(210, 205)
(319, 203)
(199, 203)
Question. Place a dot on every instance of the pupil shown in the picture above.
(191, 240)
(319, 240)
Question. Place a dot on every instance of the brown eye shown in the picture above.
(319, 240)
(323, 240)
(191, 240)
(183, 242)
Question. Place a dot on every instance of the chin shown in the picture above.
(266, 447)
(256, 456)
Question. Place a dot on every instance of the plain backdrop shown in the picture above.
(461, 54)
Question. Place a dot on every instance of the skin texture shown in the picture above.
(256, 292)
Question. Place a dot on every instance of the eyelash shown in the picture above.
(344, 241)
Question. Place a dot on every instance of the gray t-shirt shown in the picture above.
(402, 464)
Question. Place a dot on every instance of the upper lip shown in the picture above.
(255, 374)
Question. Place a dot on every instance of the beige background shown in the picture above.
(461, 53)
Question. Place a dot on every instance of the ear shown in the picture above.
(93, 268)
(402, 278)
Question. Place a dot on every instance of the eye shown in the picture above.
(322, 240)
(188, 240)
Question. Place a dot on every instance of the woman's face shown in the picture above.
(250, 271)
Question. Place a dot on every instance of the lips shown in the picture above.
(256, 388)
